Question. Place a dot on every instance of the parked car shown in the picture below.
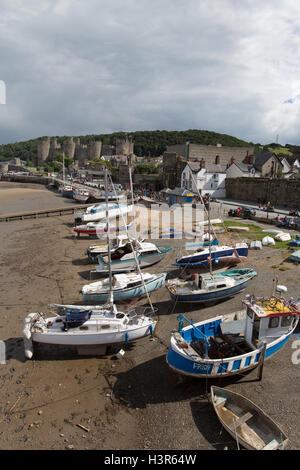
(244, 212)
(247, 213)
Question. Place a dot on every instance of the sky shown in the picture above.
(77, 67)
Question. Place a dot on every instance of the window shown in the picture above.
(274, 322)
(286, 321)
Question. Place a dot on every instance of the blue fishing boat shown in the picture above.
(124, 286)
(210, 287)
(215, 253)
(233, 343)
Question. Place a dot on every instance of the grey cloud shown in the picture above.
(73, 68)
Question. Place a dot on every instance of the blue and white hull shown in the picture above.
(218, 253)
(183, 359)
(127, 293)
(209, 296)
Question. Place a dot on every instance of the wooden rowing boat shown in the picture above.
(246, 422)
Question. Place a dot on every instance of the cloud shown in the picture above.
(73, 67)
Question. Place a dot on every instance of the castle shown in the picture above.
(81, 154)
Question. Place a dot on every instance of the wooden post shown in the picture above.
(262, 360)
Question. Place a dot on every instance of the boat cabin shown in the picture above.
(142, 249)
(268, 319)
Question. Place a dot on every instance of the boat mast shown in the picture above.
(131, 191)
(111, 297)
(209, 241)
(64, 168)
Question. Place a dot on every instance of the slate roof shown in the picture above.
(209, 167)
(262, 158)
(244, 167)
(177, 191)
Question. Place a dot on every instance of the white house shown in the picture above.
(290, 167)
(205, 178)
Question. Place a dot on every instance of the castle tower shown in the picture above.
(43, 148)
(54, 148)
(69, 147)
(95, 149)
(124, 146)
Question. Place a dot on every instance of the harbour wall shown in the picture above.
(278, 191)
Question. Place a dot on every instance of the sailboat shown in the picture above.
(125, 258)
(210, 286)
(219, 254)
(85, 325)
(66, 190)
(99, 229)
(125, 286)
(135, 253)
(95, 250)
(98, 212)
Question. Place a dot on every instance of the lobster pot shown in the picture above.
(75, 318)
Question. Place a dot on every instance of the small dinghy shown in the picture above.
(210, 286)
(248, 424)
(125, 286)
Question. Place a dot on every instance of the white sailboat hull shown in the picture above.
(77, 338)
(95, 216)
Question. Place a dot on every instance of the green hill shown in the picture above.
(146, 143)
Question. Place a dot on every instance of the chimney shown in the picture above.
(187, 150)
(202, 163)
(232, 160)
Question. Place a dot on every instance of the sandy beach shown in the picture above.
(59, 400)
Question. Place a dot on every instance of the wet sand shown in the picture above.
(131, 403)
(22, 197)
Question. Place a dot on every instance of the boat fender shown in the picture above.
(28, 345)
(151, 330)
(126, 336)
